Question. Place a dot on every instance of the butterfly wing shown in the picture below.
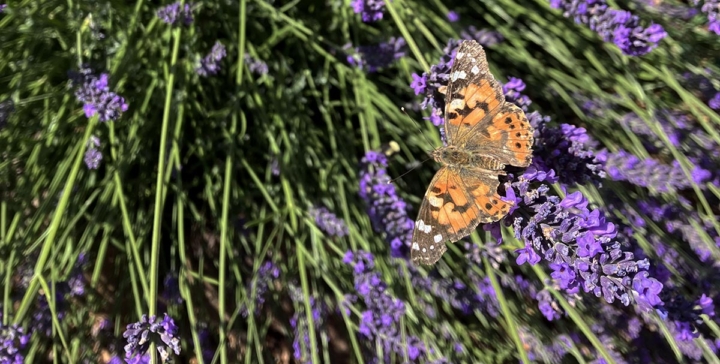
(472, 92)
(477, 118)
(454, 204)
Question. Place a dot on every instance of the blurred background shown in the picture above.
(225, 182)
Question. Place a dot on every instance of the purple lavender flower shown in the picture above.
(650, 173)
(172, 14)
(714, 102)
(618, 26)
(13, 342)
(148, 330)
(136, 358)
(256, 66)
(370, 10)
(6, 108)
(632, 38)
(92, 155)
(96, 96)
(547, 305)
(712, 9)
(452, 16)
(386, 209)
(380, 322)
(487, 38)
(419, 83)
(267, 273)
(375, 57)
(210, 65)
(299, 321)
(2, 7)
(76, 280)
(328, 222)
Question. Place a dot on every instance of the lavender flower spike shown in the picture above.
(92, 155)
(375, 57)
(210, 65)
(370, 10)
(148, 330)
(172, 14)
(94, 92)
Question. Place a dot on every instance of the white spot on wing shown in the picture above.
(415, 246)
(420, 225)
(457, 104)
(459, 55)
(475, 70)
(437, 238)
(424, 250)
(432, 247)
(458, 74)
(427, 229)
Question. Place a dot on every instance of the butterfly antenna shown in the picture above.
(408, 171)
(417, 125)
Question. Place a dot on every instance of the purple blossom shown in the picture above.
(92, 155)
(380, 321)
(256, 66)
(487, 38)
(419, 83)
(210, 64)
(370, 10)
(328, 222)
(618, 26)
(386, 209)
(452, 16)
(375, 57)
(299, 322)
(712, 9)
(547, 305)
(649, 172)
(172, 14)
(94, 92)
(148, 330)
(260, 284)
(13, 342)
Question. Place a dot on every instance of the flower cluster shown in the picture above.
(300, 325)
(712, 9)
(485, 37)
(374, 57)
(649, 172)
(141, 334)
(210, 64)
(13, 341)
(617, 26)
(92, 155)
(256, 66)
(267, 273)
(172, 14)
(380, 322)
(386, 209)
(94, 92)
(328, 222)
(370, 10)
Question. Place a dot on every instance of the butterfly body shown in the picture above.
(484, 134)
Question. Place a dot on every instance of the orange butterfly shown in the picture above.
(484, 134)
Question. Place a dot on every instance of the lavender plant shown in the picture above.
(203, 225)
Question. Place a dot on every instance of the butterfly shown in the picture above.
(484, 134)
